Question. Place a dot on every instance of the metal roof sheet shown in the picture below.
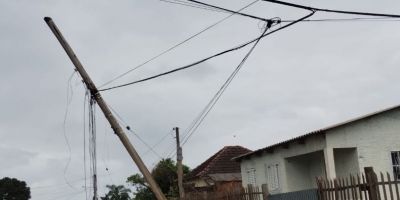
(319, 131)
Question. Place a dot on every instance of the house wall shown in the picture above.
(374, 137)
(259, 162)
(372, 140)
(346, 161)
(198, 182)
(302, 170)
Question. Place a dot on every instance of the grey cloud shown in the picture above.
(298, 80)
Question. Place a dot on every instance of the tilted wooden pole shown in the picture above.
(107, 112)
(179, 158)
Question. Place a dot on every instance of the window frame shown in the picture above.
(395, 164)
(251, 171)
(272, 176)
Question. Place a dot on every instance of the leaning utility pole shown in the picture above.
(179, 159)
(107, 112)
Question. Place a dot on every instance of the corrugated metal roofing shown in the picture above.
(247, 155)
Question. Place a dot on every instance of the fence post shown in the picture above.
(320, 188)
(250, 188)
(265, 192)
(372, 183)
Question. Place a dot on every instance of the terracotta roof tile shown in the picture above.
(220, 162)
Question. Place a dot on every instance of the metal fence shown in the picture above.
(252, 193)
(311, 194)
(248, 193)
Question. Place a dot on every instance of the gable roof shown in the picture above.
(316, 132)
(219, 163)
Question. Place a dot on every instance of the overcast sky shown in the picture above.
(300, 79)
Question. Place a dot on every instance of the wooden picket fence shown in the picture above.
(367, 186)
(248, 193)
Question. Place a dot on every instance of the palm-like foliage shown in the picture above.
(117, 192)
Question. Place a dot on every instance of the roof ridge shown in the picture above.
(217, 155)
(321, 130)
(214, 162)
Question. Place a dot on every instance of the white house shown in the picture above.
(336, 151)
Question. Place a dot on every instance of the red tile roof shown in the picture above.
(220, 162)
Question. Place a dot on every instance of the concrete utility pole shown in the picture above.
(179, 159)
(107, 112)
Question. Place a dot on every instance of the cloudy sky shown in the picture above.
(300, 79)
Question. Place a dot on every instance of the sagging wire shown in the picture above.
(92, 145)
(315, 9)
(84, 138)
(197, 62)
(129, 129)
(70, 94)
(199, 119)
(177, 45)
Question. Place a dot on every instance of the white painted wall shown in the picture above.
(374, 138)
(346, 161)
(302, 170)
(313, 144)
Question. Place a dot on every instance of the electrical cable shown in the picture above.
(158, 142)
(229, 50)
(332, 10)
(106, 156)
(356, 19)
(216, 97)
(220, 9)
(199, 61)
(92, 144)
(272, 1)
(184, 3)
(70, 94)
(45, 187)
(84, 139)
(177, 45)
(230, 11)
(128, 128)
(145, 143)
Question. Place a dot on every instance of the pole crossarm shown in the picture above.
(106, 110)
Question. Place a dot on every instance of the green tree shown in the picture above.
(13, 189)
(143, 191)
(164, 174)
(117, 192)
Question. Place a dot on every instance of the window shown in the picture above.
(251, 176)
(272, 175)
(396, 164)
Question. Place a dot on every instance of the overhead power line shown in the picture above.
(194, 63)
(177, 45)
(355, 19)
(193, 5)
(128, 128)
(216, 97)
(332, 10)
(220, 9)
(230, 11)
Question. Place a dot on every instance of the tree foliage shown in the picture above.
(164, 174)
(117, 192)
(14, 189)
